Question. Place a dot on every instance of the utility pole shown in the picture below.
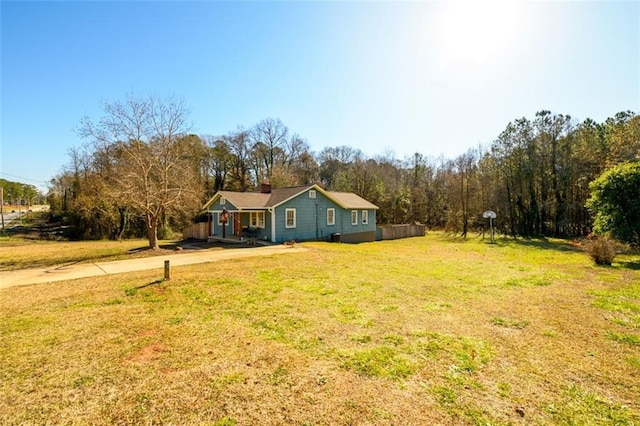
(2, 207)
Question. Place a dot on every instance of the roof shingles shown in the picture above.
(258, 200)
(352, 201)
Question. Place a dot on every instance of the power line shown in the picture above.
(22, 177)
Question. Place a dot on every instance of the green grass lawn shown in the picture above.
(429, 330)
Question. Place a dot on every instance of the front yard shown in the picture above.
(427, 330)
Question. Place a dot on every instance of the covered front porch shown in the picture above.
(238, 225)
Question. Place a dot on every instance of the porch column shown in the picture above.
(238, 223)
(273, 224)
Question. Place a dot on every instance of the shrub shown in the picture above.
(601, 249)
(615, 203)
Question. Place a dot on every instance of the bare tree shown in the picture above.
(150, 158)
(334, 162)
(270, 138)
(217, 162)
(465, 166)
(305, 169)
(239, 173)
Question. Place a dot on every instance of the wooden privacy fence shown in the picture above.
(197, 231)
(393, 232)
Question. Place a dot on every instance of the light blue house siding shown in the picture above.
(262, 233)
(217, 208)
(244, 220)
(310, 215)
(308, 207)
(311, 219)
(359, 232)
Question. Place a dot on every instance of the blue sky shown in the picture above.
(431, 77)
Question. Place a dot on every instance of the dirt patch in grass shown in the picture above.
(148, 353)
(416, 331)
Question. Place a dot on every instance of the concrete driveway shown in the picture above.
(83, 270)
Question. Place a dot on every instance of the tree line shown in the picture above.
(142, 172)
(20, 193)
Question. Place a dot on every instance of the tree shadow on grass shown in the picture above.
(162, 247)
(563, 245)
(633, 264)
(543, 243)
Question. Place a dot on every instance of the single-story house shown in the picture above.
(301, 213)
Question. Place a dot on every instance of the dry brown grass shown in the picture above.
(417, 331)
(18, 253)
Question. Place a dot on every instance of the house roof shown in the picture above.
(280, 195)
(350, 200)
(244, 200)
(258, 200)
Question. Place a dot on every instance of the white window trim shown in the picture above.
(286, 216)
(354, 217)
(259, 216)
(223, 201)
(365, 217)
(333, 216)
(219, 215)
(312, 194)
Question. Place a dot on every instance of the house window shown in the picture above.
(354, 217)
(365, 217)
(312, 194)
(290, 218)
(256, 219)
(219, 216)
(223, 201)
(331, 216)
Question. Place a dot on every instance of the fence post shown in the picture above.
(167, 270)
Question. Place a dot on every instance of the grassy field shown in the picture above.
(428, 330)
(18, 253)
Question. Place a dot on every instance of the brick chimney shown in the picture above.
(265, 188)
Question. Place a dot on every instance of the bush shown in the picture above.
(615, 203)
(601, 249)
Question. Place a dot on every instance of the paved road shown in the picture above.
(83, 270)
(12, 213)
(9, 217)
